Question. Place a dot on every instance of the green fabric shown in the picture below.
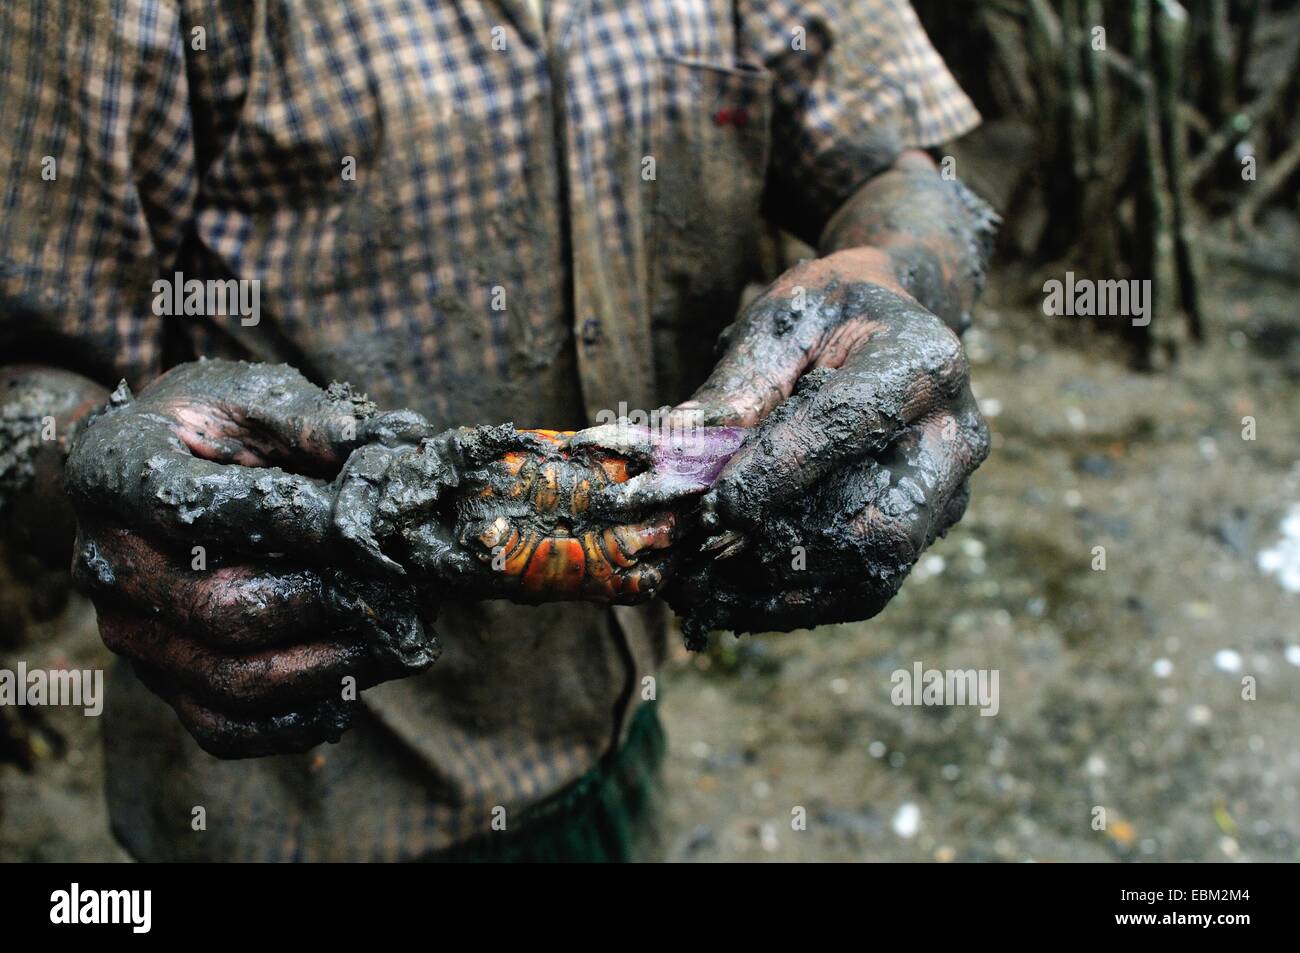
(593, 820)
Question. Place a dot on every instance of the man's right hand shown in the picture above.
(206, 539)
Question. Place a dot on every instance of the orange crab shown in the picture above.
(531, 521)
(589, 514)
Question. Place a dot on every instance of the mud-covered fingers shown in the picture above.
(928, 486)
(191, 457)
(265, 680)
(822, 605)
(910, 367)
(809, 317)
(359, 490)
(764, 353)
(242, 736)
(741, 610)
(132, 466)
(236, 607)
(384, 491)
(859, 536)
(255, 414)
(766, 350)
(230, 735)
(394, 428)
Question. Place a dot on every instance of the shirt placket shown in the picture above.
(611, 334)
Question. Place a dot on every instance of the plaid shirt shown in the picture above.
(461, 212)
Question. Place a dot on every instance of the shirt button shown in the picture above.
(590, 331)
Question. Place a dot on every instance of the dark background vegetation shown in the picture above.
(1127, 161)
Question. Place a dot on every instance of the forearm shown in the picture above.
(40, 410)
(933, 235)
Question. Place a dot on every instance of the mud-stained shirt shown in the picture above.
(458, 214)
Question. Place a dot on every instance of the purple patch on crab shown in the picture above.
(696, 455)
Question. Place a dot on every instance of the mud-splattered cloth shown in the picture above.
(458, 213)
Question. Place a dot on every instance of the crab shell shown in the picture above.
(529, 521)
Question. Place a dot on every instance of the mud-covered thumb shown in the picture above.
(394, 620)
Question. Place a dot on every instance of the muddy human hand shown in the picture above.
(41, 409)
(207, 540)
(865, 434)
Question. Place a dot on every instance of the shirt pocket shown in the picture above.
(711, 145)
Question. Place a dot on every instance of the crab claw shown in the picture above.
(634, 442)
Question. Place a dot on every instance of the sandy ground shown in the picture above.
(1120, 689)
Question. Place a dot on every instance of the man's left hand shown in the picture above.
(865, 434)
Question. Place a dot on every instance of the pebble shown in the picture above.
(1226, 660)
(1200, 715)
(1283, 558)
(998, 757)
(877, 749)
(1292, 655)
(1162, 668)
(907, 820)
